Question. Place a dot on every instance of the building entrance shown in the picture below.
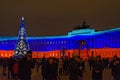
(81, 49)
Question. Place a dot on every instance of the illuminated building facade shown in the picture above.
(82, 41)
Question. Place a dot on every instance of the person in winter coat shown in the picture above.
(4, 64)
(10, 66)
(15, 69)
(76, 69)
(115, 67)
(43, 65)
(97, 69)
(50, 68)
(26, 66)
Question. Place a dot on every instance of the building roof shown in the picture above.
(81, 32)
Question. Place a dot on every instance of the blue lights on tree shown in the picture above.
(22, 45)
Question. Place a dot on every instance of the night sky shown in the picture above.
(57, 17)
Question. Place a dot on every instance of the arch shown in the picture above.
(81, 45)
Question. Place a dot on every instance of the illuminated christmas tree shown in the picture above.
(22, 45)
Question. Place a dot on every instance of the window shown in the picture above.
(50, 42)
(53, 42)
(65, 41)
(53, 54)
(44, 42)
(47, 42)
(2, 42)
(56, 42)
(62, 42)
(41, 42)
(59, 42)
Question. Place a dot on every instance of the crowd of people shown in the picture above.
(20, 68)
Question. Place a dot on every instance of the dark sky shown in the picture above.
(57, 17)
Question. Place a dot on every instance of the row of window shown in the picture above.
(105, 37)
(6, 42)
(36, 42)
(102, 45)
(48, 42)
(50, 54)
(49, 48)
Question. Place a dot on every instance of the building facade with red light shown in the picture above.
(84, 42)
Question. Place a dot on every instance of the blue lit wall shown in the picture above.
(101, 39)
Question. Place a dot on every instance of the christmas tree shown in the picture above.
(22, 45)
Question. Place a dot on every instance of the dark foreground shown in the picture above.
(86, 76)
